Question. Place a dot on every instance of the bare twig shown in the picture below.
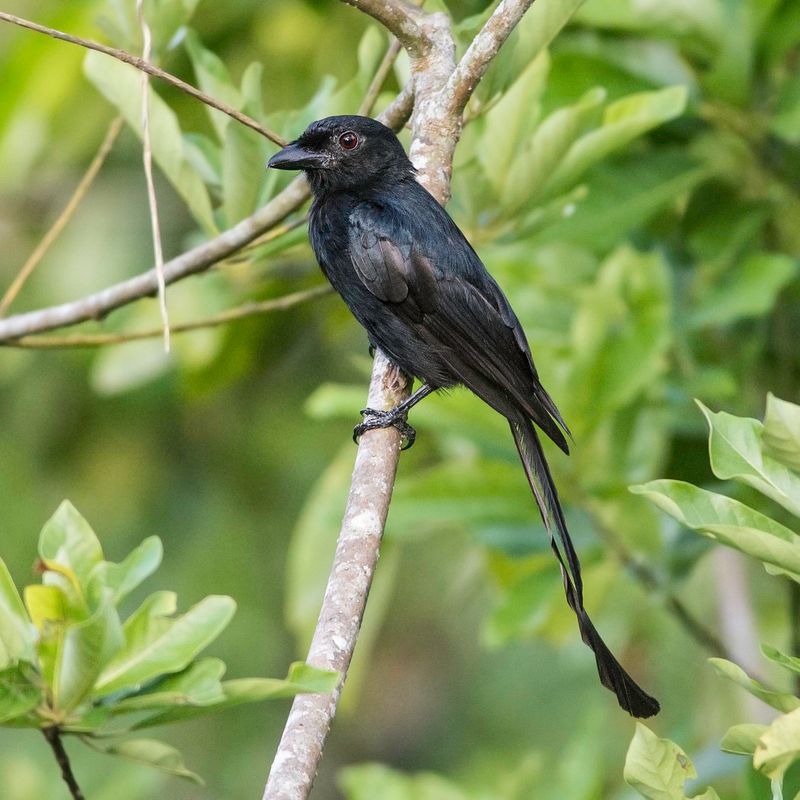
(97, 305)
(240, 312)
(53, 736)
(63, 218)
(150, 69)
(147, 159)
(483, 48)
(380, 77)
(398, 17)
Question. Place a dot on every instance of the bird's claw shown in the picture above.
(374, 419)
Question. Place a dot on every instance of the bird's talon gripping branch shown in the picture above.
(374, 419)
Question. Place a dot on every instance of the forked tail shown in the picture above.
(630, 695)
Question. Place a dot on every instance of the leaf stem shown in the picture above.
(53, 736)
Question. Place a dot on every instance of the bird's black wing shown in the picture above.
(431, 278)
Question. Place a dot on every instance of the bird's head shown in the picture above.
(346, 152)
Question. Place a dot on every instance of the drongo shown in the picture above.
(413, 281)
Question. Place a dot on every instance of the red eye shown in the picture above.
(348, 140)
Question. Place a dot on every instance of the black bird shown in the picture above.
(413, 281)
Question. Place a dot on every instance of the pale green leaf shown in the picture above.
(779, 746)
(172, 647)
(735, 449)
(372, 781)
(17, 695)
(68, 540)
(773, 654)
(733, 672)
(727, 521)
(156, 754)
(657, 768)
(623, 121)
(121, 85)
(124, 577)
(781, 435)
(85, 650)
(748, 290)
(17, 633)
(742, 739)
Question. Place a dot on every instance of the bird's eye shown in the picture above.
(348, 140)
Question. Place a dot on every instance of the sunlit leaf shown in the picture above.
(726, 520)
(17, 634)
(742, 739)
(733, 672)
(781, 434)
(735, 449)
(153, 753)
(779, 746)
(124, 577)
(172, 647)
(68, 539)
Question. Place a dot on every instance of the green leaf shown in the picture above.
(727, 521)
(302, 679)
(156, 754)
(747, 290)
(85, 650)
(168, 646)
(657, 768)
(371, 781)
(17, 633)
(735, 448)
(773, 654)
(781, 435)
(779, 746)
(733, 672)
(623, 121)
(124, 577)
(68, 540)
(121, 85)
(199, 684)
(17, 695)
(742, 739)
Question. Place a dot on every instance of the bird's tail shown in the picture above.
(630, 695)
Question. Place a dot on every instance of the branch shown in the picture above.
(200, 258)
(231, 314)
(150, 69)
(482, 50)
(379, 78)
(63, 218)
(300, 750)
(53, 736)
(398, 17)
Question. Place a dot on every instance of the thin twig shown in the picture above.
(654, 585)
(398, 17)
(239, 312)
(63, 218)
(150, 69)
(379, 78)
(147, 160)
(200, 258)
(53, 736)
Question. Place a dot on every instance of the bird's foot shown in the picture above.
(385, 419)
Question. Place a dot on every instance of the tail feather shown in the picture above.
(630, 695)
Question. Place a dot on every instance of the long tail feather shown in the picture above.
(630, 695)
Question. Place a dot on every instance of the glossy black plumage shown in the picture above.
(413, 281)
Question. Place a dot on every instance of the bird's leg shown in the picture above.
(396, 417)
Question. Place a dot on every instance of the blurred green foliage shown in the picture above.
(633, 185)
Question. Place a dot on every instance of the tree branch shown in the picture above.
(483, 48)
(63, 218)
(231, 314)
(436, 127)
(300, 750)
(53, 736)
(150, 69)
(200, 258)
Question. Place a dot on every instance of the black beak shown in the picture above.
(294, 156)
